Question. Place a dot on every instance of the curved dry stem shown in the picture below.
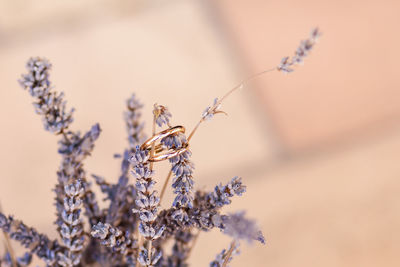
(229, 254)
(238, 86)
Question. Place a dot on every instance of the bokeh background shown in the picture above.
(318, 149)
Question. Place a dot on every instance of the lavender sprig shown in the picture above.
(182, 168)
(134, 126)
(147, 203)
(50, 105)
(73, 148)
(222, 193)
(28, 237)
(285, 66)
(72, 228)
(205, 214)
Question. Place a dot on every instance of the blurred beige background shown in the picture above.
(318, 149)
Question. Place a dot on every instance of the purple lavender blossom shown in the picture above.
(71, 229)
(114, 238)
(74, 150)
(162, 115)
(302, 51)
(49, 104)
(210, 111)
(147, 202)
(134, 126)
(182, 168)
(241, 228)
(222, 194)
(28, 237)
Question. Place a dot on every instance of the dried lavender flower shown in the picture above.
(241, 228)
(210, 111)
(57, 120)
(204, 214)
(134, 126)
(114, 238)
(74, 150)
(71, 229)
(147, 202)
(162, 115)
(286, 65)
(302, 51)
(182, 168)
(28, 237)
(222, 194)
(49, 104)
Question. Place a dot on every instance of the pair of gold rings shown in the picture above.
(160, 153)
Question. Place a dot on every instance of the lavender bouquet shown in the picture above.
(132, 230)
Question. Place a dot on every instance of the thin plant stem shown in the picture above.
(238, 86)
(229, 253)
(8, 246)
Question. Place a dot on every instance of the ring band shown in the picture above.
(159, 148)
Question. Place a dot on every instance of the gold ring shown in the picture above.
(159, 148)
